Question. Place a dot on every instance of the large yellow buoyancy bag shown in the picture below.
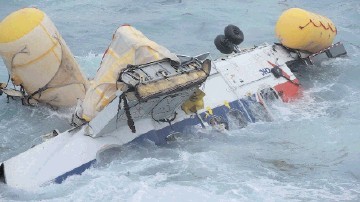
(303, 30)
(128, 46)
(38, 59)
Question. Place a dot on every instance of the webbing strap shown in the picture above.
(47, 86)
(130, 121)
(55, 44)
(39, 57)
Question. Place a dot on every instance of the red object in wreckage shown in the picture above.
(289, 90)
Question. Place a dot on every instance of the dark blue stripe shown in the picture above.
(75, 171)
(246, 103)
(159, 136)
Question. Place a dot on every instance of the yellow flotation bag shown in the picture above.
(303, 30)
(39, 60)
(194, 103)
(128, 46)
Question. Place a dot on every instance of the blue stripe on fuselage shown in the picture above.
(159, 136)
(75, 171)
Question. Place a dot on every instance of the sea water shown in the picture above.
(310, 152)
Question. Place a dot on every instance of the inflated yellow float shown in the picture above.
(300, 29)
(38, 59)
(128, 46)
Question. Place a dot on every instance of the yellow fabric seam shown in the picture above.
(112, 53)
(52, 39)
(38, 58)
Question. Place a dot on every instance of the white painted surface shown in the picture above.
(233, 77)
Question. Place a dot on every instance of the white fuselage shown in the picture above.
(234, 82)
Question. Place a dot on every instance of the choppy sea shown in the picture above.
(310, 152)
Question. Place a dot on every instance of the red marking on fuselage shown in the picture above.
(288, 90)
